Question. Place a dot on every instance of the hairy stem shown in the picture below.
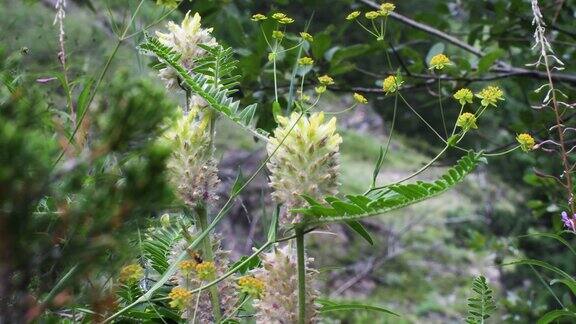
(202, 219)
(301, 275)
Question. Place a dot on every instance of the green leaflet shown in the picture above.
(482, 304)
(387, 199)
(199, 84)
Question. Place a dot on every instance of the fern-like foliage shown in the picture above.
(393, 197)
(157, 246)
(219, 66)
(203, 86)
(482, 304)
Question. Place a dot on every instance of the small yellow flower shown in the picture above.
(258, 17)
(251, 286)
(439, 61)
(326, 80)
(282, 18)
(307, 37)
(305, 61)
(464, 96)
(180, 297)
(467, 121)
(490, 96)
(187, 266)
(360, 98)
(353, 15)
(286, 21)
(320, 89)
(170, 4)
(387, 8)
(277, 34)
(372, 15)
(205, 270)
(391, 84)
(526, 142)
(279, 15)
(131, 273)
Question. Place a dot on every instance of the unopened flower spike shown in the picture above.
(526, 142)
(490, 96)
(306, 163)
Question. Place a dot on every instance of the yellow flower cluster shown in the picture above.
(258, 17)
(526, 142)
(386, 8)
(170, 4)
(180, 297)
(206, 270)
(464, 96)
(353, 15)
(282, 18)
(131, 273)
(187, 266)
(307, 37)
(305, 61)
(326, 80)
(251, 286)
(467, 121)
(277, 35)
(391, 84)
(439, 61)
(360, 98)
(490, 96)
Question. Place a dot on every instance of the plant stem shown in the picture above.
(301, 275)
(202, 219)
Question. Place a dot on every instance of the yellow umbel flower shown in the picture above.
(360, 98)
(188, 266)
(320, 89)
(170, 4)
(307, 37)
(372, 15)
(258, 17)
(305, 61)
(386, 8)
(180, 297)
(205, 270)
(326, 80)
(467, 121)
(490, 96)
(282, 18)
(131, 273)
(307, 161)
(251, 286)
(526, 142)
(439, 61)
(391, 84)
(464, 96)
(353, 15)
(277, 35)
